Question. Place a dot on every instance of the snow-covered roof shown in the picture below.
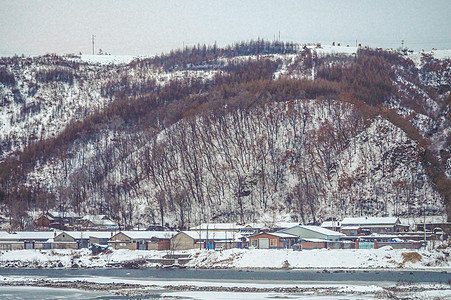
(350, 227)
(321, 230)
(218, 226)
(422, 219)
(101, 220)
(87, 234)
(279, 234)
(213, 235)
(330, 224)
(370, 221)
(64, 214)
(4, 233)
(29, 235)
(145, 234)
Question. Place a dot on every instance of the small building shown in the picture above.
(98, 222)
(45, 220)
(142, 240)
(58, 220)
(26, 240)
(80, 239)
(64, 240)
(314, 232)
(185, 240)
(275, 240)
(376, 224)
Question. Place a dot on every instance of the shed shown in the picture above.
(376, 224)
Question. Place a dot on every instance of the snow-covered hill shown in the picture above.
(301, 158)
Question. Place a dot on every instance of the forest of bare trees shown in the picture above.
(237, 147)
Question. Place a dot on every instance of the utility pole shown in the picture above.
(402, 44)
(93, 37)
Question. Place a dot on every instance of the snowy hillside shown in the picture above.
(303, 133)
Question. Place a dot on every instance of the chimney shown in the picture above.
(54, 234)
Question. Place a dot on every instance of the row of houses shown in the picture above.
(307, 237)
(69, 220)
(349, 233)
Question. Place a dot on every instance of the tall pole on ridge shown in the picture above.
(93, 37)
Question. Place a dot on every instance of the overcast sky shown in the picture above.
(140, 27)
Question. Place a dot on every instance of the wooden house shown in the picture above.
(26, 240)
(45, 220)
(376, 224)
(274, 240)
(80, 239)
(98, 222)
(185, 240)
(58, 220)
(142, 240)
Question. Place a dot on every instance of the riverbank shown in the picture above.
(176, 284)
(384, 258)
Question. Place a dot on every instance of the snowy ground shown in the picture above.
(384, 258)
(206, 289)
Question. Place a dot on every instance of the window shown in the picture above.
(273, 243)
(254, 243)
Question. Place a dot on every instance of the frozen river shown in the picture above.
(227, 284)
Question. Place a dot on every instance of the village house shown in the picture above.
(185, 240)
(58, 220)
(98, 222)
(26, 240)
(80, 239)
(275, 240)
(312, 237)
(142, 240)
(376, 224)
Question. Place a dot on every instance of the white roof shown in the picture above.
(4, 233)
(101, 220)
(213, 235)
(422, 219)
(330, 224)
(369, 221)
(29, 235)
(321, 230)
(280, 234)
(147, 234)
(87, 234)
(217, 226)
(350, 227)
(67, 214)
